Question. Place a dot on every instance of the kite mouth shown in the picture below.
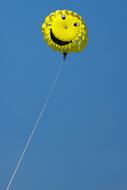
(57, 41)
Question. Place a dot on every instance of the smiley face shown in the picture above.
(65, 31)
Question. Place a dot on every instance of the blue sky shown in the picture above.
(81, 140)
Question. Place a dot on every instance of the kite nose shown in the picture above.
(65, 27)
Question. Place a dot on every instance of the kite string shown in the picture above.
(35, 127)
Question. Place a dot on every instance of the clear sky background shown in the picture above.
(81, 142)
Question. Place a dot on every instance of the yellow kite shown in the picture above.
(65, 31)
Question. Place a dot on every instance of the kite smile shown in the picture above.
(57, 41)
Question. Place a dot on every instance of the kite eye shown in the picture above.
(76, 24)
(63, 17)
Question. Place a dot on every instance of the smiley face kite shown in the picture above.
(65, 31)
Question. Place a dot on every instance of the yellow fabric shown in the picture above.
(66, 26)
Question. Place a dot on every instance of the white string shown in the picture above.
(35, 127)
